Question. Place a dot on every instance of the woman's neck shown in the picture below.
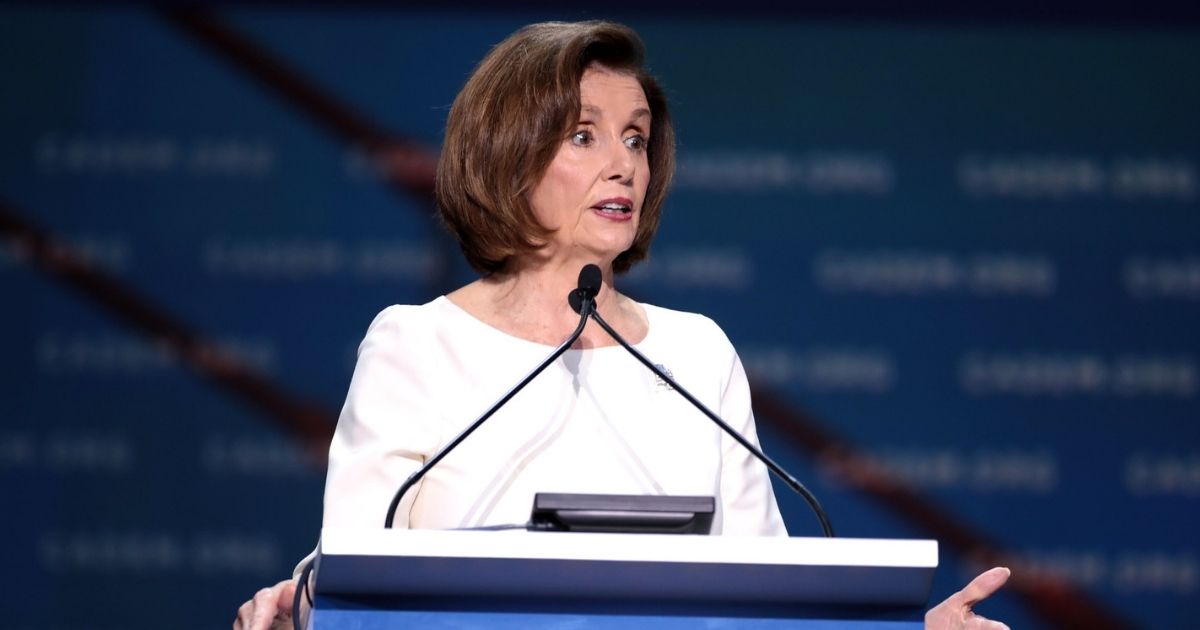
(530, 302)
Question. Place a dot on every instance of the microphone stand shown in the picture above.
(588, 306)
(778, 470)
(583, 301)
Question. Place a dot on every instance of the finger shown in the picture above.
(287, 593)
(264, 609)
(982, 586)
(245, 612)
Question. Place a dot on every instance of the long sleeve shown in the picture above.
(747, 499)
(385, 431)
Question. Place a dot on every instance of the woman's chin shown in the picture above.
(607, 254)
(600, 251)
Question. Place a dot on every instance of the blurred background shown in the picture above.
(958, 250)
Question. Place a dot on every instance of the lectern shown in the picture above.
(431, 579)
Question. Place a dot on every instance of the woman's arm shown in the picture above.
(382, 436)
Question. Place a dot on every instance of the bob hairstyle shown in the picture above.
(508, 123)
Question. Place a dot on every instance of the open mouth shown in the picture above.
(614, 209)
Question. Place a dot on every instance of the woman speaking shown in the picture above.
(558, 153)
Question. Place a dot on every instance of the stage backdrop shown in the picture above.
(961, 262)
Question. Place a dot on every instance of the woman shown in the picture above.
(559, 152)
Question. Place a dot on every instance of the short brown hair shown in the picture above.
(508, 122)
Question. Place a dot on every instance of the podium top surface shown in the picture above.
(520, 544)
(496, 565)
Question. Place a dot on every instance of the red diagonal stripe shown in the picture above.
(410, 167)
(310, 422)
(1056, 601)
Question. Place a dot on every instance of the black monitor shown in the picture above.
(622, 513)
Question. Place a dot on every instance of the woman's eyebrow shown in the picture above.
(640, 112)
(592, 110)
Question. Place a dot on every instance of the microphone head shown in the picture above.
(590, 280)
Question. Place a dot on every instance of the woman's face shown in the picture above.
(591, 195)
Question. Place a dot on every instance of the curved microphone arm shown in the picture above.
(587, 307)
(778, 470)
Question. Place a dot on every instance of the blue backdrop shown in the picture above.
(961, 262)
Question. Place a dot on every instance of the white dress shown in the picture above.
(595, 421)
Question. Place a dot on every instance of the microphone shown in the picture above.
(583, 301)
(590, 279)
(778, 470)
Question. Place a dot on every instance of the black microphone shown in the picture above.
(583, 300)
(590, 279)
(778, 470)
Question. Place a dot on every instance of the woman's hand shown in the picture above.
(955, 613)
(271, 609)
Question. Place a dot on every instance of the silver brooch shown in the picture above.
(658, 380)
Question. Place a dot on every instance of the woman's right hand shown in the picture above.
(271, 609)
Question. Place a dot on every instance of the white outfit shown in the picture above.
(595, 421)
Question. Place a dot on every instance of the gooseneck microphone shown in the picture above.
(590, 279)
(592, 271)
(583, 300)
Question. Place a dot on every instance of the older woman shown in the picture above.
(558, 153)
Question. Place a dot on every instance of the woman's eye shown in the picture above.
(638, 143)
(581, 138)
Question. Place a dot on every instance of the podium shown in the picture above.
(431, 579)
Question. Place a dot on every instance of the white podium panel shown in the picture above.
(510, 578)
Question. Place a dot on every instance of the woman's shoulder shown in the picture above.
(689, 321)
(441, 325)
(675, 326)
(410, 320)
(409, 314)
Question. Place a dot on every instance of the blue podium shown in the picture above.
(375, 579)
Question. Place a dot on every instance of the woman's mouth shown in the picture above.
(616, 209)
